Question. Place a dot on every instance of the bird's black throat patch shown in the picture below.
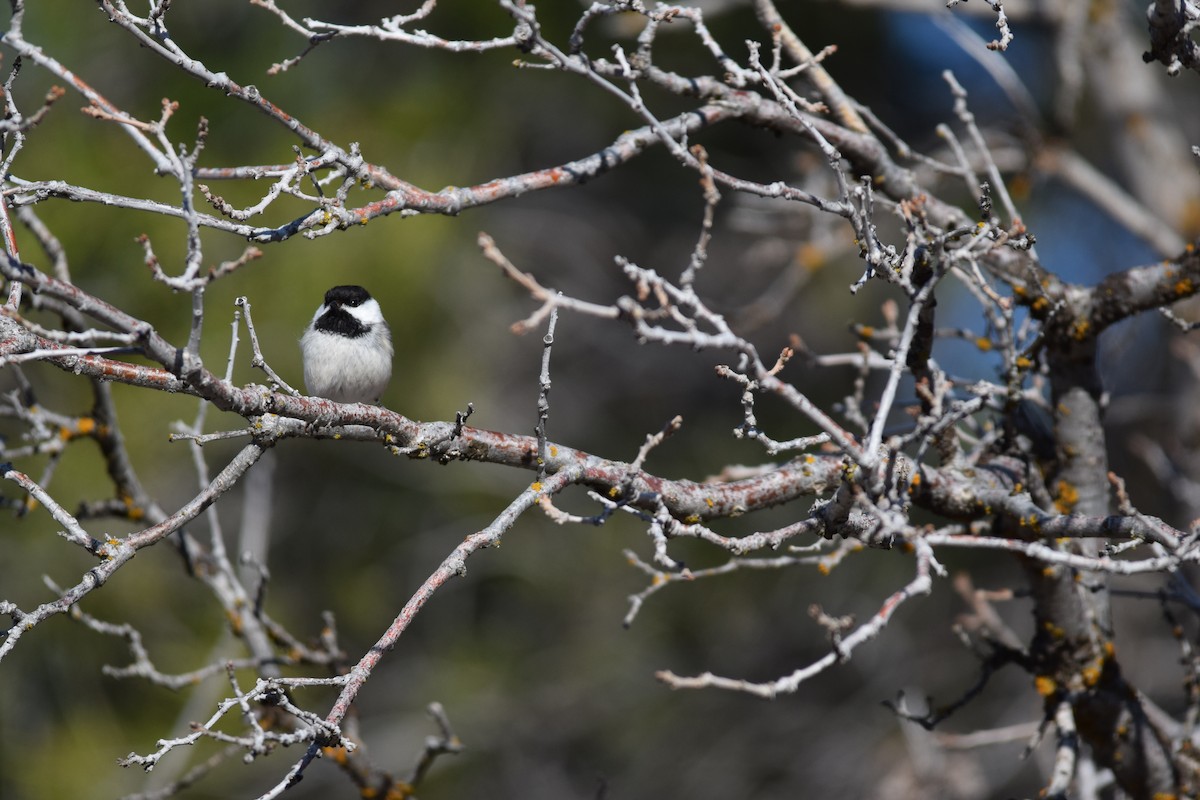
(337, 320)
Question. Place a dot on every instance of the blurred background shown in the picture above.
(550, 695)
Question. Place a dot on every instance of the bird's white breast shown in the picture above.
(348, 370)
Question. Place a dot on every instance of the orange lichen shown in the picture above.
(1019, 186)
(1066, 496)
(84, 426)
(1053, 629)
(132, 510)
(337, 754)
(810, 257)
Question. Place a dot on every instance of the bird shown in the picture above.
(347, 348)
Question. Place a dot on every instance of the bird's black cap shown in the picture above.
(352, 296)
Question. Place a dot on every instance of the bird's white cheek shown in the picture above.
(369, 313)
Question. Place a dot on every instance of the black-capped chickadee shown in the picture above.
(347, 348)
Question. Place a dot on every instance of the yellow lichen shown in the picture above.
(1066, 496)
(337, 754)
(810, 257)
